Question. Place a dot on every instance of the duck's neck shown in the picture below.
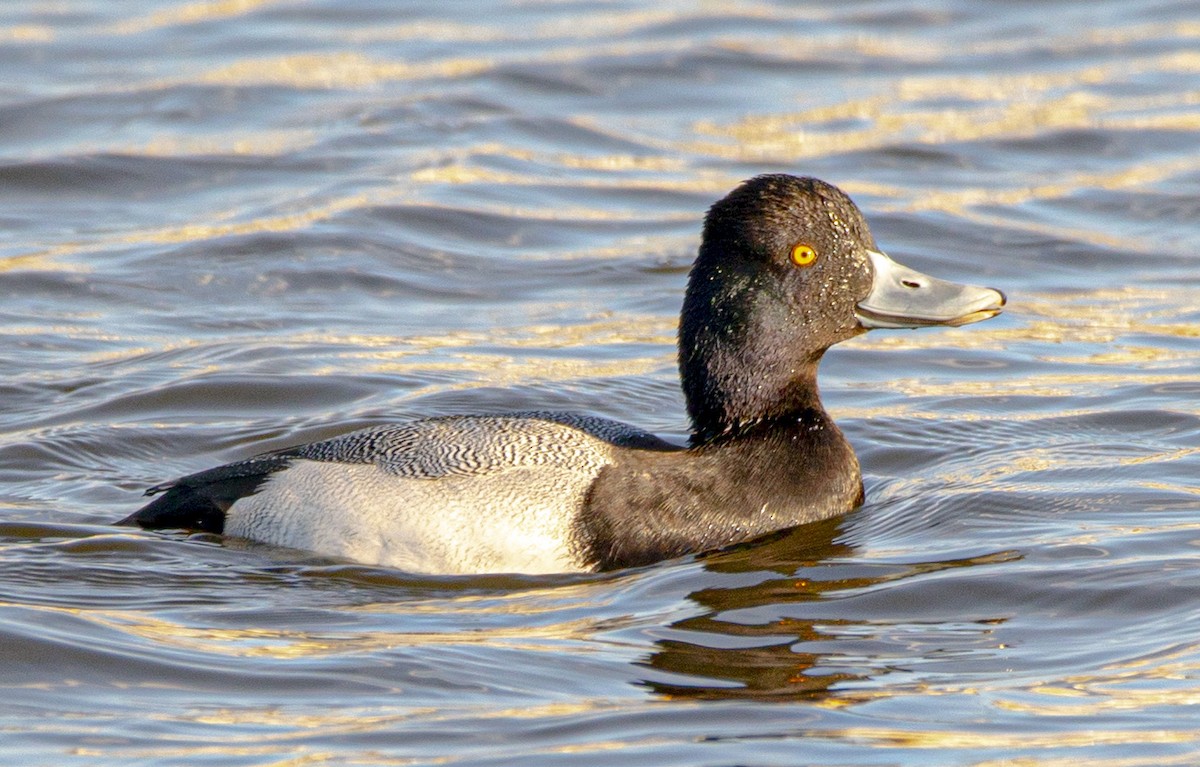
(740, 408)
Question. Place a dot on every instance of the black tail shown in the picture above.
(199, 501)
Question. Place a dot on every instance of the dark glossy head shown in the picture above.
(787, 267)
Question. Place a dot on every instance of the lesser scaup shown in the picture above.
(786, 269)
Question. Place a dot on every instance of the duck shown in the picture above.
(786, 268)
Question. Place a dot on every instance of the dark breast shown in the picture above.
(650, 506)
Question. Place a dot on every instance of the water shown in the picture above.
(229, 226)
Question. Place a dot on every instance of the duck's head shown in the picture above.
(787, 267)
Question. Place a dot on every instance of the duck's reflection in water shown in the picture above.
(753, 643)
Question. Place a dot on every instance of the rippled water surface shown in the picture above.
(232, 225)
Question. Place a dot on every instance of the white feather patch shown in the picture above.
(514, 519)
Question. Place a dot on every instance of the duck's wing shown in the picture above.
(424, 449)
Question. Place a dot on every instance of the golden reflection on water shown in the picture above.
(27, 33)
(623, 329)
(1022, 740)
(1062, 385)
(281, 730)
(285, 644)
(962, 203)
(507, 365)
(978, 107)
(1157, 760)
(346, 69)
(212, 230)
(501, 370)
(187, 13)
(461, 171)
(261, 143)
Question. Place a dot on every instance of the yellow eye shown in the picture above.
(803, 255)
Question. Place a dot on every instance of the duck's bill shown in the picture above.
(904, 298)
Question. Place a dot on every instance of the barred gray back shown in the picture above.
(468, 445)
